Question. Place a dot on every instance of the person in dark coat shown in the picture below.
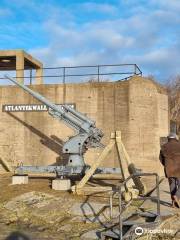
(170, 158)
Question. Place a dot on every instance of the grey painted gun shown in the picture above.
(87, 134)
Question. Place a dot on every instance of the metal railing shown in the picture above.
(94, 73)
(123, 206)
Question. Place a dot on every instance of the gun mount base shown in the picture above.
(76, 160)
(65, 171)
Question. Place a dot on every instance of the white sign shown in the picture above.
(29, 107)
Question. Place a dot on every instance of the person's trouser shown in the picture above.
(174, 185)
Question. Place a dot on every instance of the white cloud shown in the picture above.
(168, 4)
(148, 37)
(162, 61)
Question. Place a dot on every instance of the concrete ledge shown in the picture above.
(61, 184)
(17, 179)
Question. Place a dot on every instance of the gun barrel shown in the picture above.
(64, 116)
(36, 95)
(79, 115)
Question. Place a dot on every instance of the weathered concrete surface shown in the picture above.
(19, 60)
(19, 180)
(137, 107)
(61, 184)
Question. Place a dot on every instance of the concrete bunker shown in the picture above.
(137, 107)
(19, 60)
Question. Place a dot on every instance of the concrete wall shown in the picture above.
(137, 107)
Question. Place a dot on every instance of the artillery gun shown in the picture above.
(87, 136)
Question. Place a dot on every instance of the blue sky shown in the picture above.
(68, 33)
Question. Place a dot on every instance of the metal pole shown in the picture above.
(64, 85)
(120, 211)
(111, 205)
(158, 195)
(135, 69)
(64, 75)
(30, 76)
(98, 72)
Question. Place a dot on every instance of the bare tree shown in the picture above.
(173, 88)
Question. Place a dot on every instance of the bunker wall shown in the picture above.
(136, 107)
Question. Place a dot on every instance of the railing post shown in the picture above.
(135, 69)
(30, 76)
(64, 75)
(98, 72)
(64, 85)
(111, 205)
(120, 212)
(158, 195)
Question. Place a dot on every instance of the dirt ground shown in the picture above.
(36, 212)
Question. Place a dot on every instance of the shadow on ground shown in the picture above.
(17, 236)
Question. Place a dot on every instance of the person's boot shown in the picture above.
(176, 202)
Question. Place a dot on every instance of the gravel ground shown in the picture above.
(36, 212)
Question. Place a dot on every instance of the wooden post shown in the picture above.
(125, 159)
(127, 165)
(120, 148)
(103, 155)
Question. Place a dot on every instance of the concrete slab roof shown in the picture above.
(8, 60)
